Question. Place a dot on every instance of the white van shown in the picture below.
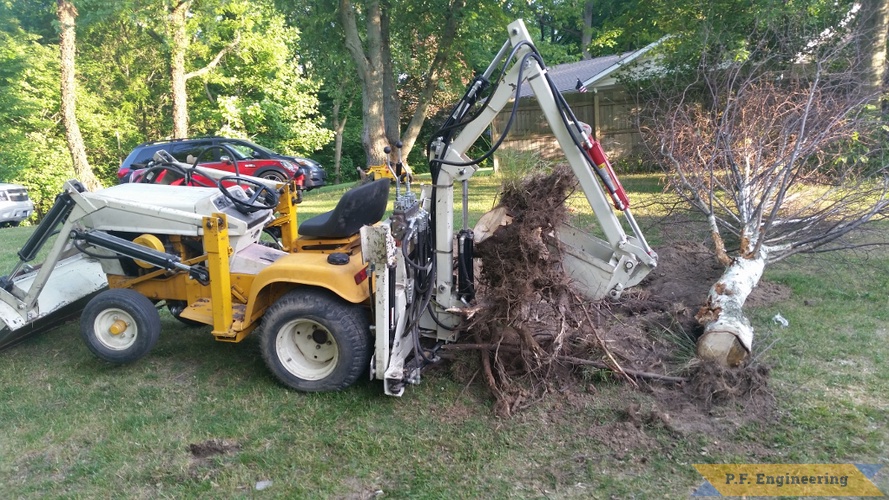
(15, 206)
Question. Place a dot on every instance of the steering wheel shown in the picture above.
(224, 150)
(185, 176)
(153, 174)
(259, 196)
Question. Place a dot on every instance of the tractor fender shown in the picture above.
(347, 280)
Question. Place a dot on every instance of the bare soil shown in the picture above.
(213, 447)
(201, 463)
(536, 334)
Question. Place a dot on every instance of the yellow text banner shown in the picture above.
(788, 480)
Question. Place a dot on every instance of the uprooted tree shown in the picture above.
(530, 322)
(779, 145)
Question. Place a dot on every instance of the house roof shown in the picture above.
(589, 72)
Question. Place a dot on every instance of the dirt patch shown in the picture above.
(203, 455)
(536, 334)
(213, 447)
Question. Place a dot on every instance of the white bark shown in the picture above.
(728, 336)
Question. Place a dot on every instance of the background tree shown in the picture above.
(777, 144)
(404, 57)
(369, 65)
(874, 16)
(179, 43)
(29, 115)
(262, 90)
(67, 43)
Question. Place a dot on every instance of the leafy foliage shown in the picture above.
(260, 91)
(289, 71)
(33, 152)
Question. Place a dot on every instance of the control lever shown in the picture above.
(388, 152)
(402, 169)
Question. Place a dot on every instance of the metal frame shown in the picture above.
(604, 267)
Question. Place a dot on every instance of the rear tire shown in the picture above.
(315, 341)
(120, 325)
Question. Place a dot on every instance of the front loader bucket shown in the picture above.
(39, 297)
(9, 338)
(73, 281)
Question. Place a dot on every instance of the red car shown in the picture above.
(227, 157)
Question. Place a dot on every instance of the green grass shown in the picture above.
(73, 426)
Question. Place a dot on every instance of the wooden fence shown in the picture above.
(609, 111)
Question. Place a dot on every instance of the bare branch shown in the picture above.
(774, 148)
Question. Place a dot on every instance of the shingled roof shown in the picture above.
(589, 72)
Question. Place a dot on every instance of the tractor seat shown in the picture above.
(360, 206)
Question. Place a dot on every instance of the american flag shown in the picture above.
(580, 87)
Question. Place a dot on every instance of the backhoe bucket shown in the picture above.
(593, 264)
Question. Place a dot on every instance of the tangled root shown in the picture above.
(531, 322)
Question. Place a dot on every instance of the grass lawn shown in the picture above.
(199, 418)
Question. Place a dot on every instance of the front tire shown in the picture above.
(120, 325)
(314, 341)
(274, 176)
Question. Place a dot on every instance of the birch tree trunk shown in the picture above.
(67, 15)
(728, 336)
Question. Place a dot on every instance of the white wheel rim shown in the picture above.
(300, 352)
(111, 320)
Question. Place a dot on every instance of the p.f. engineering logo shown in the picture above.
(788, 480)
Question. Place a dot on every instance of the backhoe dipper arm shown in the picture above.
(606, 267)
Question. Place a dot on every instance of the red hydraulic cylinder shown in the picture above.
(606, 174)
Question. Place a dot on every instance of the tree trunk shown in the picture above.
(177, 68)
(586, 37)
(728, 336)
(391, 101)
(449, 33)
(338, 127)
(67, 15)
(369, 65)
(872, 47)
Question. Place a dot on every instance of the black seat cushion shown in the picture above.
(360, 206)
